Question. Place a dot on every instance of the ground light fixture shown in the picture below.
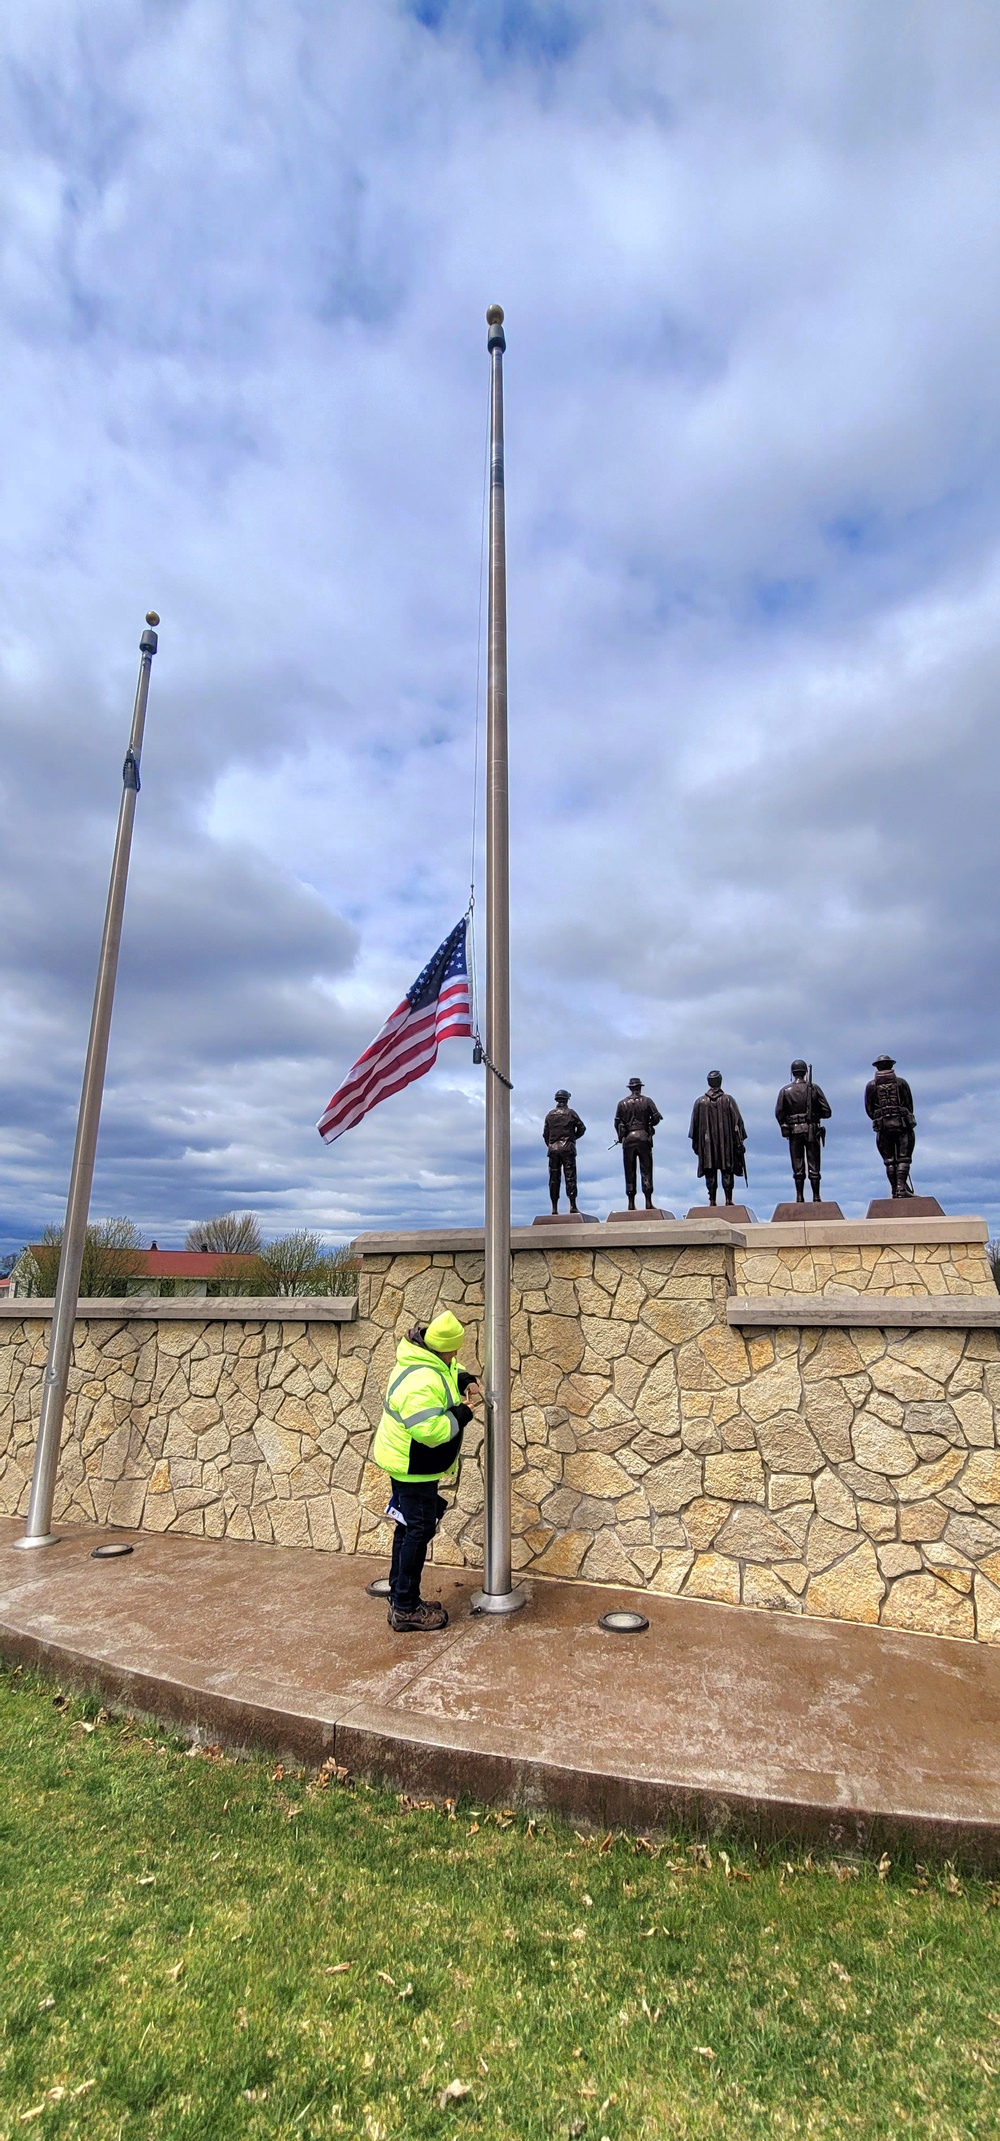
(620, 1622)
(112, 1551)
(378, 1589)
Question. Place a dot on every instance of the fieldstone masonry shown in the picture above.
(847, 1471)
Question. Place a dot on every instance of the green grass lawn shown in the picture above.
(195, 1946)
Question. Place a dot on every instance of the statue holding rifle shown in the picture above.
(636, 1118)
(801, 1111)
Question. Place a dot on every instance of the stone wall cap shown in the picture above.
(872, 1233)
(654, 1234)
(232, 1308)
(953, 1312)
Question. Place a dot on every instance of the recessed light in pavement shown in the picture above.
(378, 1589)
(621, 1623)
(113, 1551)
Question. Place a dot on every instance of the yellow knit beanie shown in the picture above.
(445, 1334)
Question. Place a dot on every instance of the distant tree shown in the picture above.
(230, 1234)
(8, 1262)
(993, 1254)
(298, 1264)
(112, 1255)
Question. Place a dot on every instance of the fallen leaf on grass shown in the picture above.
(177, 1971)
(453, 2094)
(733, 1873)
(579, 1932)
(704, 2051)
(386, 1979)
(837, 1970)
(406, 1994)
(883, 1865)
(335, 1969)
(47, 2002)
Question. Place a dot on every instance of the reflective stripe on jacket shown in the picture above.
(418, 1436)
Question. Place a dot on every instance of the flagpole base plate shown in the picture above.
(48, 1538)
(498, 1601)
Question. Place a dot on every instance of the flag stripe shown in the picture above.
(437, 1008)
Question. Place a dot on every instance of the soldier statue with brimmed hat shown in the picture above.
(889, 1106)
(561, 1130)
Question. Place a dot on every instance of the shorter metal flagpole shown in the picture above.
(38, 1531)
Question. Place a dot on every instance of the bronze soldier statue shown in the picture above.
(718, 1134)
(636, 1118)
(561, 1129)
(889, 1104)
(801, 1110)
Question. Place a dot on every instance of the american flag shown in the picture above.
(436, 1009)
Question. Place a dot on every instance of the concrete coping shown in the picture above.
(229, 1308)
(871, 1233)
(620, 1234)
(683, 1233)
(915, 1312)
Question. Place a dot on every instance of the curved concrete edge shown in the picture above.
(431, 1762)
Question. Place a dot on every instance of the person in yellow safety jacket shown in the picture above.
(417, 1442)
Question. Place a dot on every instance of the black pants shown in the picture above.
(422, 1506)
(805, 1150)
(896, 1148)
(641, 1154)
(566, 1161)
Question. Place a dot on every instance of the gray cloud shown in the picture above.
(753, 450)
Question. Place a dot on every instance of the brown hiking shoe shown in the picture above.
(426, 1617)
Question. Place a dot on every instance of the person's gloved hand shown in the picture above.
(466, 1379)
(461, 1414)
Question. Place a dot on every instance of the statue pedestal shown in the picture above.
(816, 1208)
(732, 1215)
(566, 1219)
(904, 1208)
(642, 1211)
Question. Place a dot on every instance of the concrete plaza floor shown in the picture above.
(822, 1731)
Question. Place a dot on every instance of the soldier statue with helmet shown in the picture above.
(801, 1110)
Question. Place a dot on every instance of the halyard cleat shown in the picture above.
(424, 1619)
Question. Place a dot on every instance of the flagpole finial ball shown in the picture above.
(151, 617)
(494, 315)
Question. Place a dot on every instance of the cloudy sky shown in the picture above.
(748, 259)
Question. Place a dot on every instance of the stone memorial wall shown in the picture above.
(667, 1435)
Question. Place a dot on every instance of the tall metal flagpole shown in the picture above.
(498, 1594)
(39, 1526)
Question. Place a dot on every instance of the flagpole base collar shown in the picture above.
(48, 1538)
(498, 1601)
